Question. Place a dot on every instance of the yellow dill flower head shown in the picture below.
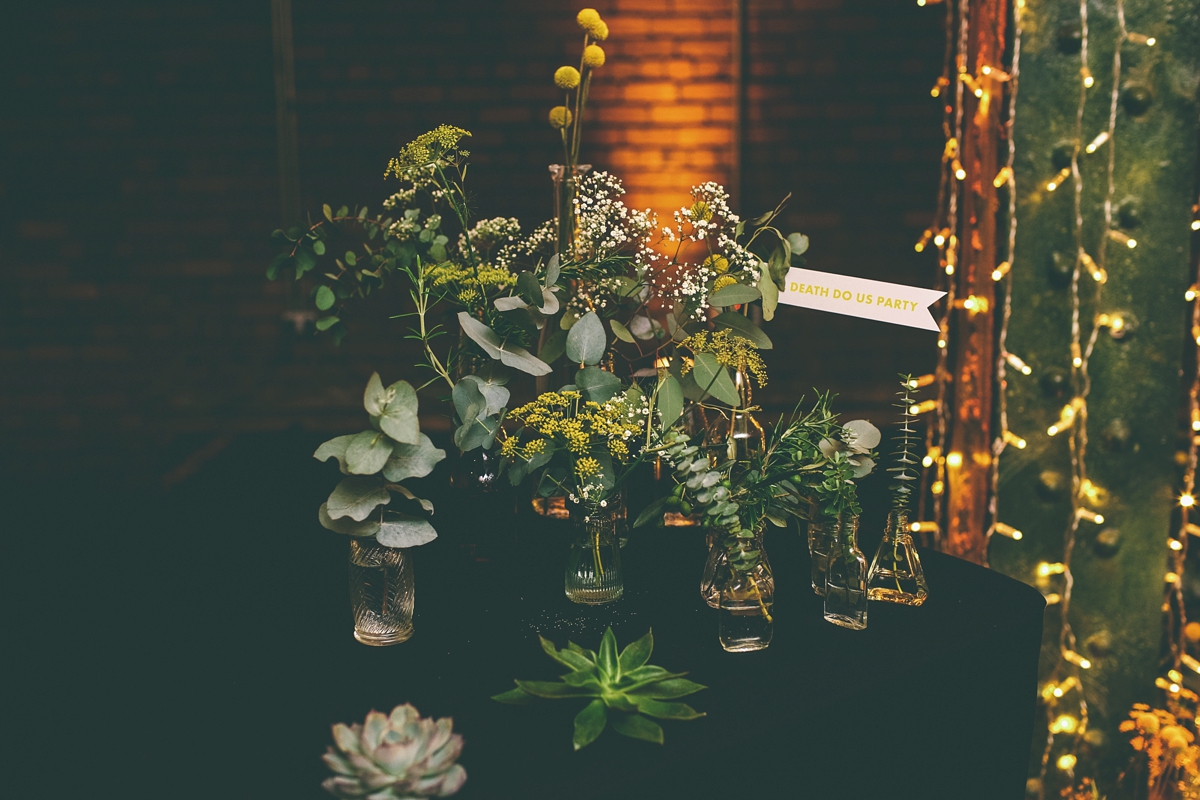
(427, 148)
(717, 263)
(560, 117)
(566, 77)
(588, 18)
(730, 350)
(723, 281)
(600, 31)
(587, 467)
(468, 296)
(593, 56)
(509, 447)
(535, 447)
(618, 449)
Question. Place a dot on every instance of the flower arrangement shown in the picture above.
(1166, 760)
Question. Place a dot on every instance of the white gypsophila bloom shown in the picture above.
(491, 233)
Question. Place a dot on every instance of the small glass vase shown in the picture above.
(715, 567)
(846, 580)
(896, 575)
(747, 594)
(381, 592)
(822, 536)
(593, 575)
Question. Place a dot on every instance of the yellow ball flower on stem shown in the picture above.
(600, 31)
(560, 117)
(723, 281)
(566, 77)
(588, 18)
(593, 56)
(717, 263)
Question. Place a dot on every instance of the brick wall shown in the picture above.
(140, 185)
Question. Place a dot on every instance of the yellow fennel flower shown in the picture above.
(600, 31)
(509, 447)
(566, 77)
(535, 447)
(717, 263)
(593, 56)
(588, 19)
(587, 467)
(560, 117)
(723, 281)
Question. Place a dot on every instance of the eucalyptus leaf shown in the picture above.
(399, 418)
(356, 497)
(714, 379)
(621, 332)
(368, 452)
(552, 270)
(586, 341)
(670, 400)
(597, 385)
(509, 303)
(742, 326)
(375, 397)
(770, 297)
(652, 512)
(528, 288)
(479, 333)
(495, 395)
(347, 526)
(325, 298)
(520, 358)
(469, 402)
(403, 530)
(734, 295)
(550, 305)
(642, 327)
(798, 243)
(335, 448)
(412, 460)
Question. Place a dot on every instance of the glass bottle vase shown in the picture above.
(896, 575)
(716, 564)
(381, 592)
(846, 580)
(747, 594)
(822, 536)
(593, 575)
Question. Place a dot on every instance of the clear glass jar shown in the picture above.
(381, 592)
(746, 589)
(715, 567)
(593, 575)
(822, 535)
(846, 580)
(896, 575)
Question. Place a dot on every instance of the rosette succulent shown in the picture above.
(623, 684)
(401, 756)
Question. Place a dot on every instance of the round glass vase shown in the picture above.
(746, 592)
(823, 533)
(381, 592)
(846, 580)
(593, 576)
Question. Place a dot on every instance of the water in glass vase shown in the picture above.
(593, 575)
(381, 593)
(896, 575)
(822, 536)
(846, 581)
(747, 595)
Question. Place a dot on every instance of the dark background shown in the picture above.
(140, 185)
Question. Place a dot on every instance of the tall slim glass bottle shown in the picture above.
(846, 580)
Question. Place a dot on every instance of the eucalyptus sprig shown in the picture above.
(904, 472)
(623, 684)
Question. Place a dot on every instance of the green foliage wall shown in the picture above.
(1127, 433)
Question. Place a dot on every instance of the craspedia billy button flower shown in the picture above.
(723, 281)
(593, 56)
(717, 263)
(560, 117)
(566, 77)
(588, 19)
(600, 31)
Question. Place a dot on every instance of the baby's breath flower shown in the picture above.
(566, 77)
(593, 56)
(560, 117)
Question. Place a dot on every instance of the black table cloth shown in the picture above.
(199, 645)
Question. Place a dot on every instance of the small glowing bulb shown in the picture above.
(1095, 144)
(922, 380)
(942, 343)
(940, 239)
(1009, 531)
(1001, 270)
(1002, 177)
(927, 461)
(1175, 544)
(1196, 418)
(954, 460)
(1151, 41)
(1064, 723)
(1175, 675)
(1067, 762)
(1045, 569)
(1014, 440)
(1088, 80)
(1196, 224)
(1058, 179)
(938, 487)
(1171, 577)
(1187, 500)
(1090, 516)
(1017, 364)
(978, 92)
(949, 268)
(1123, 238)
(923, 407)
(1141, 38)
(1117, 324)
(1190, 294)
(1076, 659)
(923, 527)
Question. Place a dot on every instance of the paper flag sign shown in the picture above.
(859, 297)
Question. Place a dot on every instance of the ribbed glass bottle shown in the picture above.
(822, 534)
(593, 575)
(846, 580)
(746, 588)
(381, 592)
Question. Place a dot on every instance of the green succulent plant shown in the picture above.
(400, 756)
(623, 684)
